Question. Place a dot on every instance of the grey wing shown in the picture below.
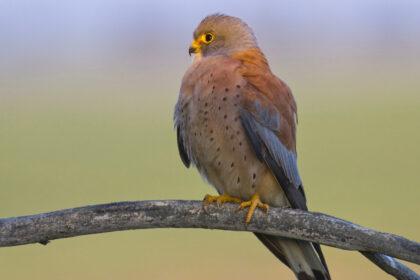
(181, 149)
(262, 123)
(180, 136)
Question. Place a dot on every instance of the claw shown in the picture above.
(220, 199)
(253, 204)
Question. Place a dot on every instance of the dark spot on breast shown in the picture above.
(208, 81)
(213, 87)
(238, 180)
(240, 143)
(205, 104)
(235, 104)
(211, 139)
(211, 131)
(227, 127)
(211, 74)
(237, 132)
(224, 98)
(226, 89)
(238, 86)
(232, 164)
(219, 163)
(206, 112)
(218, 149)
(195, 133)
(237, 96)
(235, 119)
(225, 116)
(233, 149)
(253, 186)
(254, 176)
(219, 108)
(244, 158)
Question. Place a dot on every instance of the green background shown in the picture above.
(359, 159)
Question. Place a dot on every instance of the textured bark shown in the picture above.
(309, 226)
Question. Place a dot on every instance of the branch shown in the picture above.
(309, 226)
(391, 266)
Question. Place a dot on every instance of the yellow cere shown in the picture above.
(196, 45)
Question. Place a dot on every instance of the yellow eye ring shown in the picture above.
(207, 38)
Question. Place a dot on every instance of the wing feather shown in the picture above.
(262, 125)
(181, 148)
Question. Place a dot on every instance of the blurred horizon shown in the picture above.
(40, 36)
(87, 90)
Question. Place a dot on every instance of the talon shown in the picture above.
(244, 205)
(208, 199)
(254, 203)
(220, 199)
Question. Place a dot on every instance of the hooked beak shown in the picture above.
(191, 50)
(195, 47)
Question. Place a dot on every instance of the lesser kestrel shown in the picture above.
(236, 122)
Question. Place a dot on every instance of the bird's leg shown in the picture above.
(253, 204)
(220, 199)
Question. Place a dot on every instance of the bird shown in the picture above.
(236, 123)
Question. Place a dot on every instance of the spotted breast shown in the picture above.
(208, 116)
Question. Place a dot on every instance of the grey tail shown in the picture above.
(304, 258)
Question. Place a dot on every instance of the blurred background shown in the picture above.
(87, 90)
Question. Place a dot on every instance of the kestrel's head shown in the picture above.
(220, 34)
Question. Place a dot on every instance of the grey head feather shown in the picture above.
(231, 35)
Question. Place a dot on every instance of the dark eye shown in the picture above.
(208, 38)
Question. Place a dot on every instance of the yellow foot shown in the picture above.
(253, 204)
(220, 199)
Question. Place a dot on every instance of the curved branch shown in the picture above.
(391, 266)
(309, 226)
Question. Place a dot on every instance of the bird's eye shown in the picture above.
(208, 38)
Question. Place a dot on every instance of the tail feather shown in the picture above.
(304, 258)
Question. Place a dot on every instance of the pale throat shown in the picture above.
(197, 56)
